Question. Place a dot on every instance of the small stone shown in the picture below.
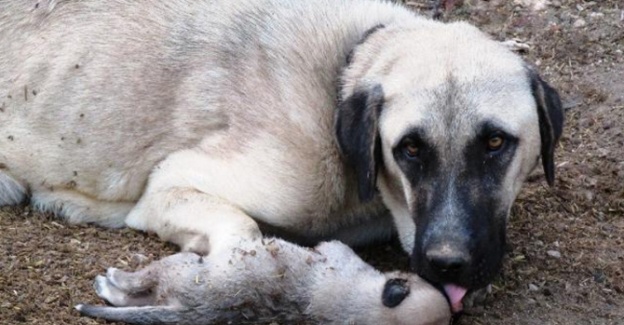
(533, 287)
(50, 299)
(602, 152)
(139, 258)
(579, 23)
(589, 195)
(553, 253)
(599, 276)
(595, 15)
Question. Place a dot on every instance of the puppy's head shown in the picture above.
(446, 124)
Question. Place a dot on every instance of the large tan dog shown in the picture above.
(315, 119)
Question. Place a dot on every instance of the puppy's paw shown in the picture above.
(109, 292)
(110, 276)
(101, 287)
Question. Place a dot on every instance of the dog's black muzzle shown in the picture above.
(460, 240)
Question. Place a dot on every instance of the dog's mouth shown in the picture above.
(455, 295)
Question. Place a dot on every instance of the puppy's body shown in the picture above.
(199, 120)
(268, 280)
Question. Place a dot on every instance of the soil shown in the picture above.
(565, 260)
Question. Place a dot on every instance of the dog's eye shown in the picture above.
(495, 142)
(410, 148)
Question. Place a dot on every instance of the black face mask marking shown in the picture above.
(460, 218)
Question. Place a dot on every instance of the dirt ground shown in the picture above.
(565, 262)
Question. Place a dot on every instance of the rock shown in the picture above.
(595, 15)
(589, 195)
(533, 287)
(579, 23)
(603, 152)
(139, 258)
(553, 253)
(536, 5)
(599, 276)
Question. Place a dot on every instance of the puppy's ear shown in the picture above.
(551, 118)
(394, 292)
(358, 136)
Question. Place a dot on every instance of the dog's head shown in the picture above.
(446, 124)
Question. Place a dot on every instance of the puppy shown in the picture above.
(268, 280)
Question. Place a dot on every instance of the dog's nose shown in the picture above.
(446, 259)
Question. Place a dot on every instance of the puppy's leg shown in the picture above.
(106, 290)
(193, 220)
(128, 288)
(133, 283)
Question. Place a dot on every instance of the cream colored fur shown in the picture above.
(195, 119)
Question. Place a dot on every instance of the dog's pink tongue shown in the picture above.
(455, 294)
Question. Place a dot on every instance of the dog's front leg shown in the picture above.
(195, 221)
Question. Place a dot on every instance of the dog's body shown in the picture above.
(199, 120)
(268, 280)
(250, 121)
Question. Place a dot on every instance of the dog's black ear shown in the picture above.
(358, 136)
(550, 114)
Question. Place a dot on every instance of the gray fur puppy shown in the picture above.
(268, 280)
